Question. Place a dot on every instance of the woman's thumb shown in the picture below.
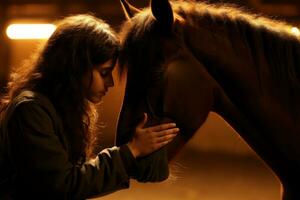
(143, 122)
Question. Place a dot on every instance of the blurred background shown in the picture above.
(216, 164)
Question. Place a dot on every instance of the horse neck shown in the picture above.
(247, 97)
(240, 67)
(236, 51)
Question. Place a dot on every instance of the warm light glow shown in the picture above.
(30, 31)
(295, 31)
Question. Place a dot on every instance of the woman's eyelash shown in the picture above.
(103, 72)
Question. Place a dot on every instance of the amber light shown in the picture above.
(30, 31)
(295, 31)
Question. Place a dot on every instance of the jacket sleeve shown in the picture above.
(153, 168)
(42, 164)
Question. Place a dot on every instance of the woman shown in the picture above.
(47, 119)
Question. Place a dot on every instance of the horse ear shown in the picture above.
(129, 10)
(163, 13)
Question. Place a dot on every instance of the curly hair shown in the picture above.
(78, 44)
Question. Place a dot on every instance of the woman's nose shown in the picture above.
(109, 82)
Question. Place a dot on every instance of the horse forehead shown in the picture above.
(184, 62)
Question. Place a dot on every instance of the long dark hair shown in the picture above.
(78, 44)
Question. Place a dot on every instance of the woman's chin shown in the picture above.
(95, 100)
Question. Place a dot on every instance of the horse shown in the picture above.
(184, 59)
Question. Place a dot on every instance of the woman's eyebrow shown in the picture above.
(107, 67)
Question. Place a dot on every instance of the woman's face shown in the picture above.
(98, 81)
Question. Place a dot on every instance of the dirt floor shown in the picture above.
(208, 176)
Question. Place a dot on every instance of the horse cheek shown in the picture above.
(188, 102)
(189, 108)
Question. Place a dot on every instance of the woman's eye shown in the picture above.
(103, 72)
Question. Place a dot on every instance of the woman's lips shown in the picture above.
(101, 94)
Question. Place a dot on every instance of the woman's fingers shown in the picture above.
(161, 144)
(165, 138)
(162, 138)
(147, 140)
(166, 132)
(161, 127)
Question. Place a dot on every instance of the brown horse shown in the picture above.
(185, 59)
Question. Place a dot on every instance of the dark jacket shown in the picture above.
(35, 164)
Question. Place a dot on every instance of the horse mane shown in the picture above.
(278, 41)
(280, 45)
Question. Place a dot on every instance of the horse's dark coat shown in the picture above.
(217, 58)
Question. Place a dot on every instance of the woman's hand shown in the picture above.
(148, 140)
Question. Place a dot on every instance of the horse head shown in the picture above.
(186, 59)
(158, 65)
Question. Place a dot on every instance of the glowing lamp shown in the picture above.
(30, 31)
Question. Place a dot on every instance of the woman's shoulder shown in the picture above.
(28, 96)
(33, 109)
(32, 98)
(27, 101)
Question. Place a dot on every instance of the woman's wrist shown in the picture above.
(133, 150)
(129, 161)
